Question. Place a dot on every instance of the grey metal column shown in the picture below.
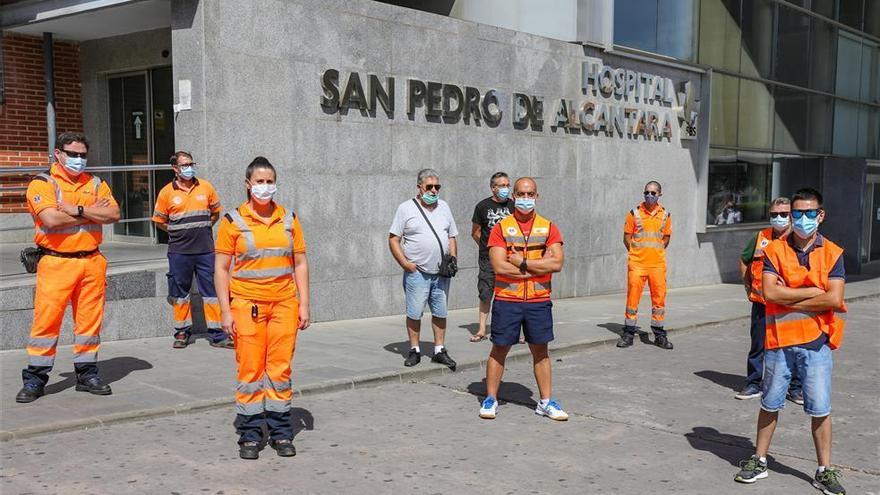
(49, 70)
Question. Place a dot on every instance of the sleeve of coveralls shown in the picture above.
(668, 229)
(555, 236)
(629, 227)
(160, 212)
(495, 237)
(104, 192)
(299, 242)
(40, 195)
(226, 237)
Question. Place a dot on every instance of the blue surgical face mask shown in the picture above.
(651, 200)
(524, 205)
(75, 165)
(429, 198)
(503, 193)
(187, 172)
(805, 226)
(779, 223)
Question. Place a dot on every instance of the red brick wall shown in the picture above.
(23, 136)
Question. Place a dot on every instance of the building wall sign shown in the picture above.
(618, 102)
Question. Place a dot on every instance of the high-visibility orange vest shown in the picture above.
(756, 267)
(787, 326)
(532, 289)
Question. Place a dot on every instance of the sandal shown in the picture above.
(181, 340)
(478, 338)
(226, 343)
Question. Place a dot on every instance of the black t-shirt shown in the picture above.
(487, 213)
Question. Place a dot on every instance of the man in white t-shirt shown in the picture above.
(419, 252)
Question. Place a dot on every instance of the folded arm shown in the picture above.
(776, 292)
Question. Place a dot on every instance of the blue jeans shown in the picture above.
(814, 368)
(424, 289)
(755, 361)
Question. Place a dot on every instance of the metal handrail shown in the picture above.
(98, 169)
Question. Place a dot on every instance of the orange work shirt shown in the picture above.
(187, 216)
(262, 252)
(46, 190)
(648, 229)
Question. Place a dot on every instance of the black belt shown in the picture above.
(75, 254)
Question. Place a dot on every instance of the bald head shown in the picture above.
(525, 184)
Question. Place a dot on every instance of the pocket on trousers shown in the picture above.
(245, 324)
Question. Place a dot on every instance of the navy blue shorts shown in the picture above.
(535, 319)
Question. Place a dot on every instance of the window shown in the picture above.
(739, 187)
(792, 172)
(790, 125)
(872, 18)
(635, 24)
(720, 33)
(846, 128)
(757, 37)
(823, 54)
(823, 7)
(869, 87)
(850, 12)
(667, 27)
(725, 94)
(819, 119)
(849, 62)
(755, 115)
(791, 59)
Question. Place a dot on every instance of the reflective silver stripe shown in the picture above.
(213, 325)
(658, 311)
(184, 226)
(86, 357)
(210, 300)
(264, 273)
(288, 228)
(652, 235)
(86, 339)
(277, 405)
(249, 409)
(181, 324)
(54, 183)
(631, 311)
(88, 227)
(41, 360)
(665, 219)
(245, 230)
(540, 286)
(249, 387)
(637, 218)
(179, 300)
(537, 239)
(265, 253)
(506, 285)
(629, 322)
(793, 316)
(42, 343)
(160, 215)
(514, 239)
(646, 244)
(188, 214)
(277, 386)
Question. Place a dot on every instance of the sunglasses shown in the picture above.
(651, 193)
(74, 154)
(811, 214)
(432, 187)
(774, 214)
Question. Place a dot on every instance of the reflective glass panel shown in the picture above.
(720, 33)
(819, 124)
(755, 111)
(846, 128)
(677, 28)
(823, 54)
(635, 24)
(792, 57)
(849, 62)
(790, 126)
(725, 94)
(757, 37)
(850, 12)
(739, 187)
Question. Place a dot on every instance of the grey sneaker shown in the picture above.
(751, 470)
(829, 481)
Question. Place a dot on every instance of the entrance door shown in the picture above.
(871, 227)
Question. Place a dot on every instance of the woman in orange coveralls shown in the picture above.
(262, 281)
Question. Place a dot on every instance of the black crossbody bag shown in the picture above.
(448, 263)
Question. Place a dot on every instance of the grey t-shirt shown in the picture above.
(419, 244)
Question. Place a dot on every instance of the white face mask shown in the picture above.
(263, 193)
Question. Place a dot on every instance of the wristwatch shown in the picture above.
(523, 266)
(79, 210)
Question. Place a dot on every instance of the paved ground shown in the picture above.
(150, 378)
(644, 420)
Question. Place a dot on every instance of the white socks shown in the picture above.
(821, 469)
(763, 460)
(437, 348)
(544, 402)
(416, 348)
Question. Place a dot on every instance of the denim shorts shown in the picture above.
(424, 289)
(533, 319)
(814, 368)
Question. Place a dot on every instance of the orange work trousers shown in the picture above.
(80, 281)
(635, 282)
(264, 348)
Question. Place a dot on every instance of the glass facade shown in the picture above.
(793, 81)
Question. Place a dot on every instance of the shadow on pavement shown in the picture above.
(726, 380)
(733, 449)
(402, 348)
(617, 329)
(508, 392)
(301, 419)
(111, 370)
(472, 328)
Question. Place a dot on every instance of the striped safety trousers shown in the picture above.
(635, 283)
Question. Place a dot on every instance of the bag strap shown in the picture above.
(429, 225)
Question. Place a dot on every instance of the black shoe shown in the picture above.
(662, 342)
(284, 447)
(443, 358)
(625, 340)
(93, 385)
(249, 450)
(29, 393)
(181, 340)
(413, 359)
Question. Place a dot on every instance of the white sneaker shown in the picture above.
(487, 409)
(552, 410)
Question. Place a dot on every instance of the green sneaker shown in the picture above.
(751, 470)
(829, 481)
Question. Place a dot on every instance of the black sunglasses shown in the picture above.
(432, 187)
(651, 193)
(811, 214)
(74, 154)
(774, 214)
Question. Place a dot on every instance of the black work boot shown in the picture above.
(626, 337)
(662, 342)
(29, 392)
(284, 447)
(443, 358)
(414, 358)
(249, 450)
(93, 385)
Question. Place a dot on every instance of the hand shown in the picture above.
(227, 324)
(410, 267)
(515, 258)
(69, 209)
(304, 320)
